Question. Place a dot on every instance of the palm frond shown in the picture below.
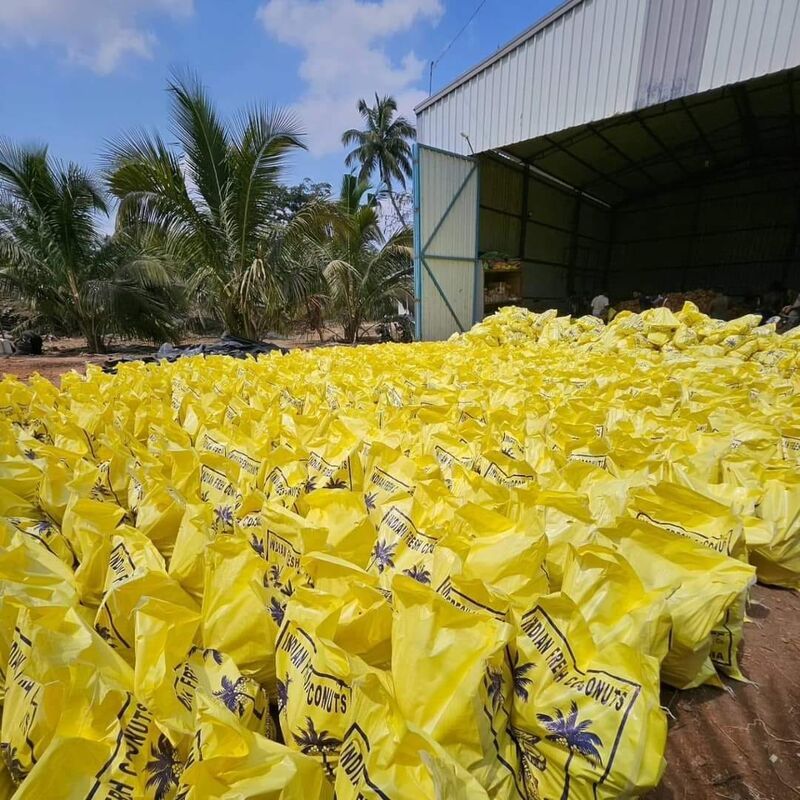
(203, 137)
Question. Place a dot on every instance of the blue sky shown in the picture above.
(77, 72)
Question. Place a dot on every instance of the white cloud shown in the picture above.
(94, 33)
(344, 58)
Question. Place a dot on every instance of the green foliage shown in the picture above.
(213, 201)
(364, 272)
(383, 147)
(285, 202)
(53, 256)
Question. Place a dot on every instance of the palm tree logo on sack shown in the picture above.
(317, 743)
(575, 736)
(383, 555)
(164, 770)
(233, 695)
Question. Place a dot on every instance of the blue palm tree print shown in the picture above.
(273, 576)
(575, 737)
(419, 573)
(520, 680)
(224, 516)
(214, 654)
(277, 611)
(257, 545)
(370, 500)
(163, 770)
(233, 694)
(383, 554)
(283, 694)
(494, 688)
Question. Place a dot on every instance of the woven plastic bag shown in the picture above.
(383, 755)
(705, 593)
(227, 760)
(586, 720)
(450, 673)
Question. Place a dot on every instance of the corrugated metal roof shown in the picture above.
(592, 59)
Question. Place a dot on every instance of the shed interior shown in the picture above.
(698, 192)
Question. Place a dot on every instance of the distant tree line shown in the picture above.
(205, 228)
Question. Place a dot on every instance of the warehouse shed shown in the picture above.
(626, 145)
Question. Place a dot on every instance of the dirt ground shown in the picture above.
(64, 355)
(740, 743)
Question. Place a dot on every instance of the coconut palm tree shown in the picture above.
(383, 146)
(233, 694)
(164, 770)
(54, 256)
(574, 736)
(520, 681)
(212, 198)
(494, 687)
(282, 694)
(383, 555)
(364, 271)
(419, 573)
(277, 611)
(320, 743)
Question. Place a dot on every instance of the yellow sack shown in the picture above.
(286, 474)
(705, 594)
(334, 463)
(283, 537)
(30, 576)
(344, 515)
(388, 474)
(779, 561)
(313, 677)
(172, 675)
(586, 720)
(384, 756)
(235, 607)
(227, 760)
(450, 674)
(409, 531)
(566, 520)
(135, 572)
(508, 556)
(54, 658)
(19, 475)
(110, 751)
(45, 532)
(187, 564)
(89, 527)
(219, 488)
(364, 625)
(688, 513)
(615, 603)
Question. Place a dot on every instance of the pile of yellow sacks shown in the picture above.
(450, 570)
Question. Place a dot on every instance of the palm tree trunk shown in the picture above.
(565, 793)
(351, 327)
(95, 342)
(394, 204)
